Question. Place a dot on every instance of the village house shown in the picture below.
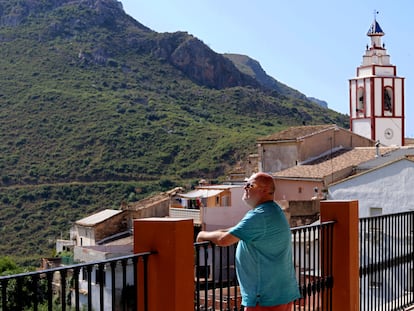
(210, 206)
(383, 189)
(301, 144)
(94, 228)
(311, 179)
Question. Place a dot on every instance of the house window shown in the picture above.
(226, 200)
(217, 200)
(375, 211)
(300, 190)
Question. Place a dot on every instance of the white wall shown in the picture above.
(389, 187)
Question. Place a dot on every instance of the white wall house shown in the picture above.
(91, 229)
(90, 235)
(385, 189)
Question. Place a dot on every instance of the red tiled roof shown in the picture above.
(322, 169)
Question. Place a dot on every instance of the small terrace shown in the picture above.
(342, 264)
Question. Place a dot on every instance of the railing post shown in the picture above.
(171, 269)
(345, 257)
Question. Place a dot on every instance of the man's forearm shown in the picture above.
(219, 237)
(212, 236)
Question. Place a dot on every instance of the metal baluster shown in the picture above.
(124, 284)
(294, 260)
(49, 276)
(113, 284)
(89, 273)
(101, 276)
(76, 273)
(63, 289)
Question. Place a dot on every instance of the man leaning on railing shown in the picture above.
(264, 262)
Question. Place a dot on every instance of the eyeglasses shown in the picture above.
(249, 185)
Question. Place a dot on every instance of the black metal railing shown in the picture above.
(102, 285)
(216, 282)
(216, 286)
(313, 258)
(386, 274)
(386, 262)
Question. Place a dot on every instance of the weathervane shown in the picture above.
(375, 14)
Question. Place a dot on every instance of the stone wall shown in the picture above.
(301, 213)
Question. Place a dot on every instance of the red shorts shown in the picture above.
(285, 307)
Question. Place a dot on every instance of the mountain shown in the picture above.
(96, 108)
(253, 68)
(320, 102)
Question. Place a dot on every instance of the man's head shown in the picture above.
(259, 188)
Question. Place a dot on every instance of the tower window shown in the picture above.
(388, 99)
(361, 100)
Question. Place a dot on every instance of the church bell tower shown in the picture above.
(376, 94)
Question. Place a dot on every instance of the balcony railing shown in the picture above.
(108, 285)
(216, 282)
(387, 262)
(104, 285)
(312, 255)
(386, 273)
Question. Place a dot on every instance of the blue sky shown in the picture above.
(312, 46)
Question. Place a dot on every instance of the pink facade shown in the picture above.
(297, 189)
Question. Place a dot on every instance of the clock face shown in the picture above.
(388, 133)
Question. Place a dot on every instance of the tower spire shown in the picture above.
(375, 29)
(377, 94)
(375, 15)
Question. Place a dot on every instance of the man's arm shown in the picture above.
(219, 237)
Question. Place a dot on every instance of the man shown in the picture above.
(264, 263)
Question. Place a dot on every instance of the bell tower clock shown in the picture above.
(376, 94)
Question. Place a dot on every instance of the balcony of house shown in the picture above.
(194, 214)
(342, 263)
(210, 206)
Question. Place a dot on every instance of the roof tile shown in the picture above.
(344, 160)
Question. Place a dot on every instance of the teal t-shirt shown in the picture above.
(264, 262)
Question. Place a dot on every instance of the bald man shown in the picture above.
(264, 262)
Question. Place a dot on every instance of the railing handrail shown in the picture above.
(386, 215)
(325, 223)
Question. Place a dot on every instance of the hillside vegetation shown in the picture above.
(95, 108)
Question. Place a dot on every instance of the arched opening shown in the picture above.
(388, 99)
(360, 100)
